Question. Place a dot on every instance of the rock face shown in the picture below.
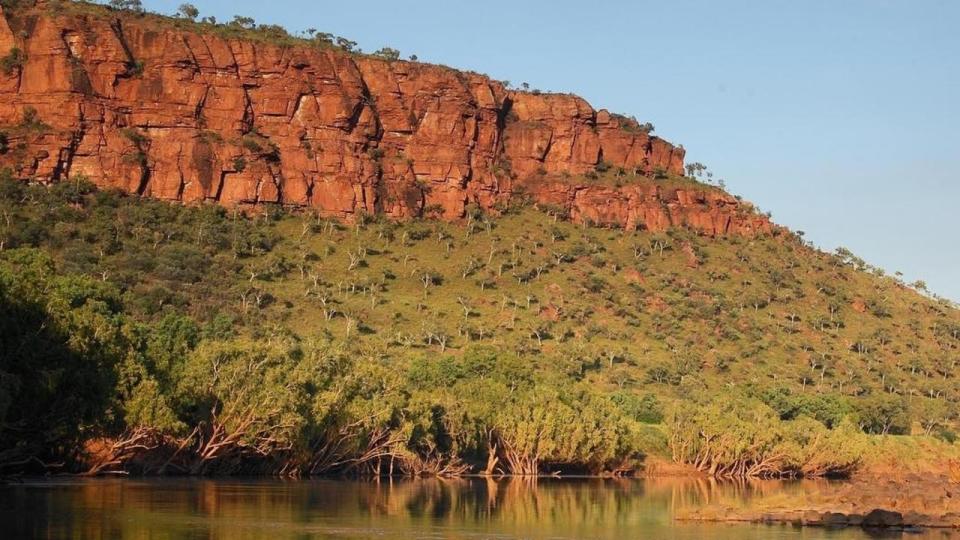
(167, 112)
(647, 205)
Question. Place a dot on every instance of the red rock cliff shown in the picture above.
(170, 113)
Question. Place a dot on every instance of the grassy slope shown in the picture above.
(702, 316)
(732, 311)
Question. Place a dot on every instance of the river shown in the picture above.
(409, 509)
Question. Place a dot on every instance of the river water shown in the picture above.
(414, 509)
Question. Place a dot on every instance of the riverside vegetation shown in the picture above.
(140, 336)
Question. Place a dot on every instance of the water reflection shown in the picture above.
(468, 508)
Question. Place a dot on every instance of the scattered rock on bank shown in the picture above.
(877, 518)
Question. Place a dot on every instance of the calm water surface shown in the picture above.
(420, 509)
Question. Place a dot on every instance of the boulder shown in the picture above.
(883, 518)
(834, 519)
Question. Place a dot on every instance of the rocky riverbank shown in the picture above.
(907, 504)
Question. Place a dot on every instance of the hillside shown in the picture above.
(592, 310)
(403, 335)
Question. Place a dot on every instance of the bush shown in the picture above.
(30, 120)
(134, 136)
(13, 61)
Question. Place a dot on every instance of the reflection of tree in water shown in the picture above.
(690, 493)
(599, 508)
(511, 500)
(434, 499)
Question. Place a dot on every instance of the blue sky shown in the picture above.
(841, 118)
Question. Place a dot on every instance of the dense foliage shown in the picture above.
(145, 336)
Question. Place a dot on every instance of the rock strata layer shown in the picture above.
(173, 113)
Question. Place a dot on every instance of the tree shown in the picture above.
(250, 399)
(388, 54)
(729, 436)
(135, 6)
(932, 414)
(884, 414)
(646, 409)
(243, 22)
(188, 11)
(543, 428)
(346, 44)
(61, 342)
(695, 169)
(430, 278)
(829, 409)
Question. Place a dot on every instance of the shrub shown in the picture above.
(135, 68)
(134, 136)
(252, 144)
(13, 61)
(30, 120)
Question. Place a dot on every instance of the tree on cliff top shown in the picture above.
(388, 54)
(135, 6)
(188, 11)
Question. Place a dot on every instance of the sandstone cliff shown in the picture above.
(180, 114)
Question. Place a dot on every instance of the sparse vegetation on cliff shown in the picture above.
(240, 27)
(211, 342)
(12, 61)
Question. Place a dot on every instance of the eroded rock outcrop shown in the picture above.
(651, 206)
(171, 113)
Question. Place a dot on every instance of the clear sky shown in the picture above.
(839, 117)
